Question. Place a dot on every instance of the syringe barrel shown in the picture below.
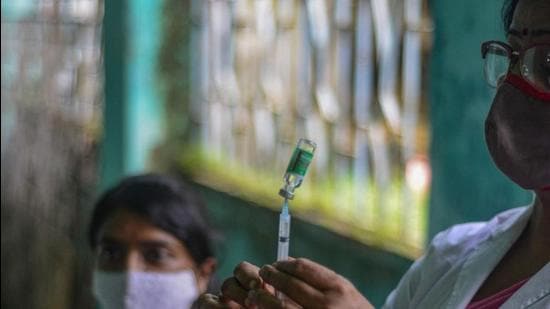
(282, 251)
(284, 237)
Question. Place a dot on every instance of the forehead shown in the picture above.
(531, 15)
(127, 227)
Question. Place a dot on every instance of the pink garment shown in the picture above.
(496, 300)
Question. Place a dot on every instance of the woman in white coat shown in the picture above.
(502, 263)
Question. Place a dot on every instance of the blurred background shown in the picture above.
(219, 92)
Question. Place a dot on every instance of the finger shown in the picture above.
(265, 300)
(233, 305)
(229, 303)
(314, 274)
(232, 290)
(209, 301)
(296, 289)
(247, 275)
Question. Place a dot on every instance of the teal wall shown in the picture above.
(466, 184)
(250, 233)
(145, 116)
(134, 109)
(113, 147)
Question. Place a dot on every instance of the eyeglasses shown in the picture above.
(534, 63)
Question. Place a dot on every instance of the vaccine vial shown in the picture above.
(297, 167)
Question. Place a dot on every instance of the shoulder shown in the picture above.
(457, 241)
(432, 277)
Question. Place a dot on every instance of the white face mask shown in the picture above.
(145, 290)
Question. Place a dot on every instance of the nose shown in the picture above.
(134, 262)
(515, 67)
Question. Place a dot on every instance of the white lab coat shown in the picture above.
(459, 260)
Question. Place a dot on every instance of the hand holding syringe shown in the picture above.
(295, 172)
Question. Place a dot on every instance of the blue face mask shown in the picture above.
(144, 290)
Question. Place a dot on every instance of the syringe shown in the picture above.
(295, 172)
(284, 233)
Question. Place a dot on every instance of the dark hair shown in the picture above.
(167, 203)
(508, 13)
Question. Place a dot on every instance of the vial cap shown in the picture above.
(288, 195)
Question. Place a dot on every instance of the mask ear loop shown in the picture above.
(521, 84)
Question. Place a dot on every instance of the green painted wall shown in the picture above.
(113, 145)
(134, 109)
(145, 105)
(466, 184)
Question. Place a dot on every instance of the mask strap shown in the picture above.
(527, 88)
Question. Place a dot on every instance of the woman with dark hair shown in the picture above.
(152, 243)
(502, 263)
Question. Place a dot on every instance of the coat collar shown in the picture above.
(532, 292)
(504, 231)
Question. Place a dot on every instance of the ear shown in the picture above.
(205, 270)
